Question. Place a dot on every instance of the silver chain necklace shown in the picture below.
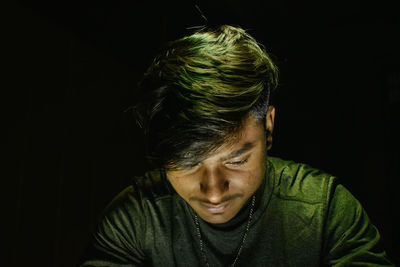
(203, 253)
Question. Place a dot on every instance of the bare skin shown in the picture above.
(218, 187)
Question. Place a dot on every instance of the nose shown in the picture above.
(214, 185)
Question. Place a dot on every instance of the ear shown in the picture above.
(269, 125)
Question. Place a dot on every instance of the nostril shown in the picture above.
(223, 186)
(226, 184)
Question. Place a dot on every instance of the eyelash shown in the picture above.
(239, 162)
(235, 163)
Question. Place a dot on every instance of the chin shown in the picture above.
(220, 214)
(217, 218)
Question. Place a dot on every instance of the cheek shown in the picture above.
(244, 180)
(184, 186)
(252, 177)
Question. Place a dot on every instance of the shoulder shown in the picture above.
(144, 190)
(313, 203)
(130, 214)
(301, 182)
(130, 223)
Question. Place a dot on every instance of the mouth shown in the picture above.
(216, 209)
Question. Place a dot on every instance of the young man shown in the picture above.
(215, 198)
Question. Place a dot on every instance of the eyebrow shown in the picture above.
(246, 147)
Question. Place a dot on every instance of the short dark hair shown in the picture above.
(197, 92)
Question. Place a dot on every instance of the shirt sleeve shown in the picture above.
(116, 241)
(350, 237)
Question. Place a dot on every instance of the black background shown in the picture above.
(71, 68)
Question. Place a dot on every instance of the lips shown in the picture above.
(216, 209)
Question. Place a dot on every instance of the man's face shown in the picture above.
(219, 186)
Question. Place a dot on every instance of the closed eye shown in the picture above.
(238, 162)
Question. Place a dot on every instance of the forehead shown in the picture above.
(251, 132)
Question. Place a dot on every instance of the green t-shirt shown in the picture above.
(302, 217)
